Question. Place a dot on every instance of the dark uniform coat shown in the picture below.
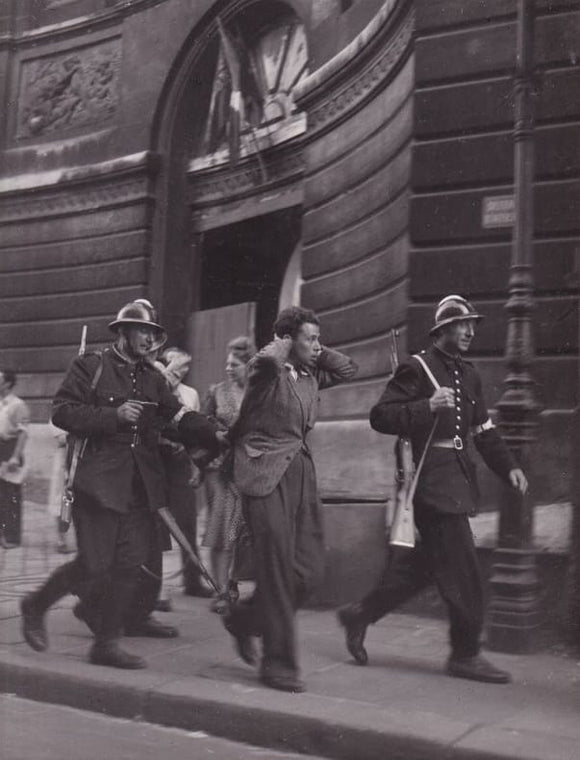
(115, 450)
(448, 481)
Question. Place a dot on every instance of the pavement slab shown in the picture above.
(400, 706)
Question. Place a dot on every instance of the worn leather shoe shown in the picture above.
(284, 683)
(350, 618)
(109, 653)
(152, 629)
(476, 669)
(33, 628)
(243, 639)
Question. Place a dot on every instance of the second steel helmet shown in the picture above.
(454, 309)
(139, 312)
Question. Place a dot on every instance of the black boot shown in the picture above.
(151, 628)
(108, 652)
(34, 606)
(351, 618)
(476, 668)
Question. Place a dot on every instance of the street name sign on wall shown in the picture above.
(497, 211)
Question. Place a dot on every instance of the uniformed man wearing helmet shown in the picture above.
(447, 494)
(117, 401)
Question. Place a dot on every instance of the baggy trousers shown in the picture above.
(286, 528)
(114, 548)
(446, 555)
(111, 549)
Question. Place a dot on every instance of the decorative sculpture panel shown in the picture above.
(69, 91)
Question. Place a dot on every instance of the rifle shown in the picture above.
(402, 531)
(402, 528)
(190, 552)
(75, 451)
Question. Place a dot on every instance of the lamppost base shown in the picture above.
(514, 615)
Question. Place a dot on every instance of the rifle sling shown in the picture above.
(80, 443)
(417, 474)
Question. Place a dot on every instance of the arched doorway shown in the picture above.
(230, 189)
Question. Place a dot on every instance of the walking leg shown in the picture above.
(406, 573)
(452, 555)
(139, 620)
(35, 606)
(132, 544)
(106, 649)
(273, 521)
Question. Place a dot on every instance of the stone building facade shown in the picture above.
(379, 134)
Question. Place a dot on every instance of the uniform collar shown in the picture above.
(120, 357)
(448, 360)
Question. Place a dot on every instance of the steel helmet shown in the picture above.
(139, 312)
(453, 309)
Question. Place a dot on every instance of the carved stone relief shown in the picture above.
(69, 91)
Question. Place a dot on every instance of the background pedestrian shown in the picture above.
(225, 523)
(14, 419)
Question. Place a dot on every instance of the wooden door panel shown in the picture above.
(208, 333)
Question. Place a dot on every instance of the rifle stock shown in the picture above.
(403, 525)
(74, 453)
(402, 528)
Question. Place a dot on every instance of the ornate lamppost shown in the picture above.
(513, 614)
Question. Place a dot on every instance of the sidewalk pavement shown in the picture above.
(400, 706)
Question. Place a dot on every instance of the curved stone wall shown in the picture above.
(355, 233)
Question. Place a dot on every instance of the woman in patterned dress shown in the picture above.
(225, 522)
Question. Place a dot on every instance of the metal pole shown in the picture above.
(514, 616)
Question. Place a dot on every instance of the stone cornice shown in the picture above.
(78, 189)
(78, 25)
(348, 80)
(220, 185)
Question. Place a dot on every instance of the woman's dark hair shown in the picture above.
(242, 347)
(290, 321)
(9, 376)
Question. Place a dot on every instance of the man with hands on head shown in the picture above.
(117, 402)
(274, 472)
(447, 491)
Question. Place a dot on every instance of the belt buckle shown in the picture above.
(457, 443)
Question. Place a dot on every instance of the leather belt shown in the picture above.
(449, 443)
